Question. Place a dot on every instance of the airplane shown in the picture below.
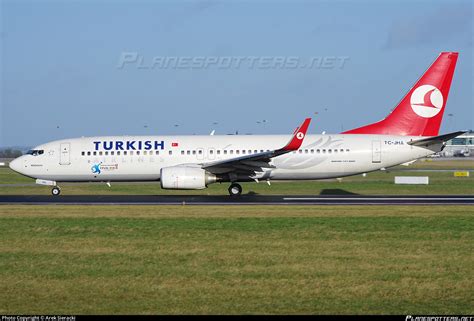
(409, 132)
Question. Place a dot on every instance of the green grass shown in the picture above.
(440, 163)
(381, 182)
(7, 176)
(233, 260)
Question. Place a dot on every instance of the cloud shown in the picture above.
(453, 21)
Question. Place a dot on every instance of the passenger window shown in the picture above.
(194, 152)
(300, 151)
(112, 153)
(131, 152)
(106, 153)
(200, 152)
(188, 152)
(329, 151)
(231, 151)
(237, 152)
(88, 153)
(243, 151)
(255, 151)
(95, 153)
(182, 152)
(312, 151)
(306, 151)
(225, 152)
(170, 152)
(218, 152)
(324, 151)
(118, 152)
(125, 152)
(83, 153)
(211, 151)
(318, 151)
(157, 152)
(138, 152)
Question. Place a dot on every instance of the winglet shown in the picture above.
(298, 136)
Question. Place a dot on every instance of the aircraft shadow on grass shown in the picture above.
(327, 191)
(252, 193)
(336, 191)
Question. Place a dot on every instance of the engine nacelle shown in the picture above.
(185, 177)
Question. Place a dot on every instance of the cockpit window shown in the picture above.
(35, 152)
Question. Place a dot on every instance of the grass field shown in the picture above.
(245, 259)
(376, 183)
(440, 163)
(185, 259)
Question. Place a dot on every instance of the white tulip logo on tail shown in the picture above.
(300, 135)
(426, 101)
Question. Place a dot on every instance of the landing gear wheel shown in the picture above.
(56, 191)
(235, 189)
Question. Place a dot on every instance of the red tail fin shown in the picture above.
(420, 112)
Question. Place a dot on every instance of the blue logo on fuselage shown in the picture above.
(129, 145)
(96, 168)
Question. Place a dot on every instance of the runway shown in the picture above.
(242, 200)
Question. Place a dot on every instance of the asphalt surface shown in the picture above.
(241, 200)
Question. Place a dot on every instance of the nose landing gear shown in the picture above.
(56, 191)
(235, 189)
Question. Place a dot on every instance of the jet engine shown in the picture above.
(185, 177)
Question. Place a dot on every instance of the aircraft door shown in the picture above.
(65, 154)
(376, 151)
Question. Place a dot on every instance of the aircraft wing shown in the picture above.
(250, 164)
(435, 139)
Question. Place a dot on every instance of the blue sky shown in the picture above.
(61, 75)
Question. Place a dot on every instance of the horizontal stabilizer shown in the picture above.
(435, 139)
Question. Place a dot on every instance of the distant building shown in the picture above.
(462, 145)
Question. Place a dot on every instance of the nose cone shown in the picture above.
(15, 165)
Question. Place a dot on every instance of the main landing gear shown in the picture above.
(56, 191)
(235, 189)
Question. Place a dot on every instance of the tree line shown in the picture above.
(10, 153)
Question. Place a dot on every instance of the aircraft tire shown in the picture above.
(56, 191)
(235, 189)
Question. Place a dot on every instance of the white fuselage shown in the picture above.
(123, 158)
